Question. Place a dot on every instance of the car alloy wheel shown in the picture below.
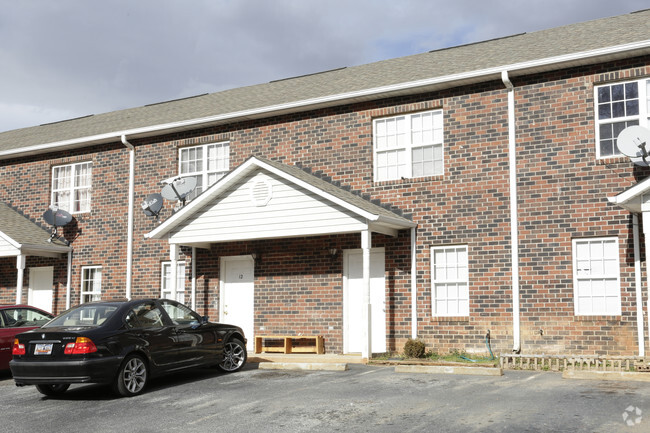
(234, 356)
(132, 377)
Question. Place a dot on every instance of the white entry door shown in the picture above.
(41, 294)
(353, 301)
(237, 294)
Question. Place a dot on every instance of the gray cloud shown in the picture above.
(68, 58)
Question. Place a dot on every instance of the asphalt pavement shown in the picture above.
(360, 399)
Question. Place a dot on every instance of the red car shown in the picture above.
(15, 319)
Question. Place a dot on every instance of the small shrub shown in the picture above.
(414, 348)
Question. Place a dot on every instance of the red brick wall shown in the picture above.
(562, 190)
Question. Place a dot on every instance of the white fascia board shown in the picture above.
(10, 240)
(37, 250)
(269, 110)
(372, 217)
(631, 193)
(214, 190)
(241, 171)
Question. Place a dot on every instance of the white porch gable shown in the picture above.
(262, 199)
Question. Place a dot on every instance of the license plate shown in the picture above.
(43, 349)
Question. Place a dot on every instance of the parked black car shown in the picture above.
(123, 343)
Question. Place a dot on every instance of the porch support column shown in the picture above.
(20, 266)
(173, 256)
(366, 314)
(646, 235)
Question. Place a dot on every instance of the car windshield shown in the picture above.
(84, 315)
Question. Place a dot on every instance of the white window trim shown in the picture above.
(73, 187)
(204, 173)
(408, 147)
(96, 293)
(576, 277)
(434, 282)
(180, 276)
(642, 117)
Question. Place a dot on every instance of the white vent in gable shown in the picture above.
(261, 191)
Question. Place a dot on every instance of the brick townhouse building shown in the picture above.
(441, 196)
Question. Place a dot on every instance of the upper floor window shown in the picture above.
(596, 277)
(208, 163)
(450, 278)
(71, 186)
(618, 106)
(408, 146)
(91, 284)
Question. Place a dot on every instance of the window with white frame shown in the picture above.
(91, 283)
(619, 105)
(596, 277)
(71, 186)
(450, 281)
(207, 163)
(165, 282)
(408, 146)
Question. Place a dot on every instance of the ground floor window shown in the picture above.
(165, 281)
(91, 283)
(450, 281)
(596, 277)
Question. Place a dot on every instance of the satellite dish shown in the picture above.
(634, 141)
(179, 189)
(57, 217)
(152, 204)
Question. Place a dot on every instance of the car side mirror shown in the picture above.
(204, 320)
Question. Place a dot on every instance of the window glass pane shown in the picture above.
(71, 186)
(450, 281)
(631, 90)
(604, 111)
(604, 94)
(597, 287)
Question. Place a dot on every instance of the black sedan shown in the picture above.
(122, 343)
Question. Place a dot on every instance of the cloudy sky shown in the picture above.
(61, 59)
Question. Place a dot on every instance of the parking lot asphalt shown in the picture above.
(360, 399)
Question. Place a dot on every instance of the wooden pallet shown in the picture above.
(289, 344)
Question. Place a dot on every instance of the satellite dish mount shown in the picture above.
(56, 218)
(152, 205)
(178, 188)
(634, 141)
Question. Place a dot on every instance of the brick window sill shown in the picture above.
(450, 319)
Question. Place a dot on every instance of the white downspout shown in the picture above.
(20, 267)
(414, 285)
(646, 234)
(366, 313)
(637, 283)
(68, 287)
(173, 277)
(194, 278)
(514, 223)
(129, 244)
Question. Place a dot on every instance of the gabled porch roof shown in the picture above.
(21, 237)
(264, 199)
(632, 198)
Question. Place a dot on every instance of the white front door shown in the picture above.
(237, 304)
(353, 301)
(41, 294)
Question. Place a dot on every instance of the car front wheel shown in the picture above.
(53, 390)
(132, 377)
(234, 356)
